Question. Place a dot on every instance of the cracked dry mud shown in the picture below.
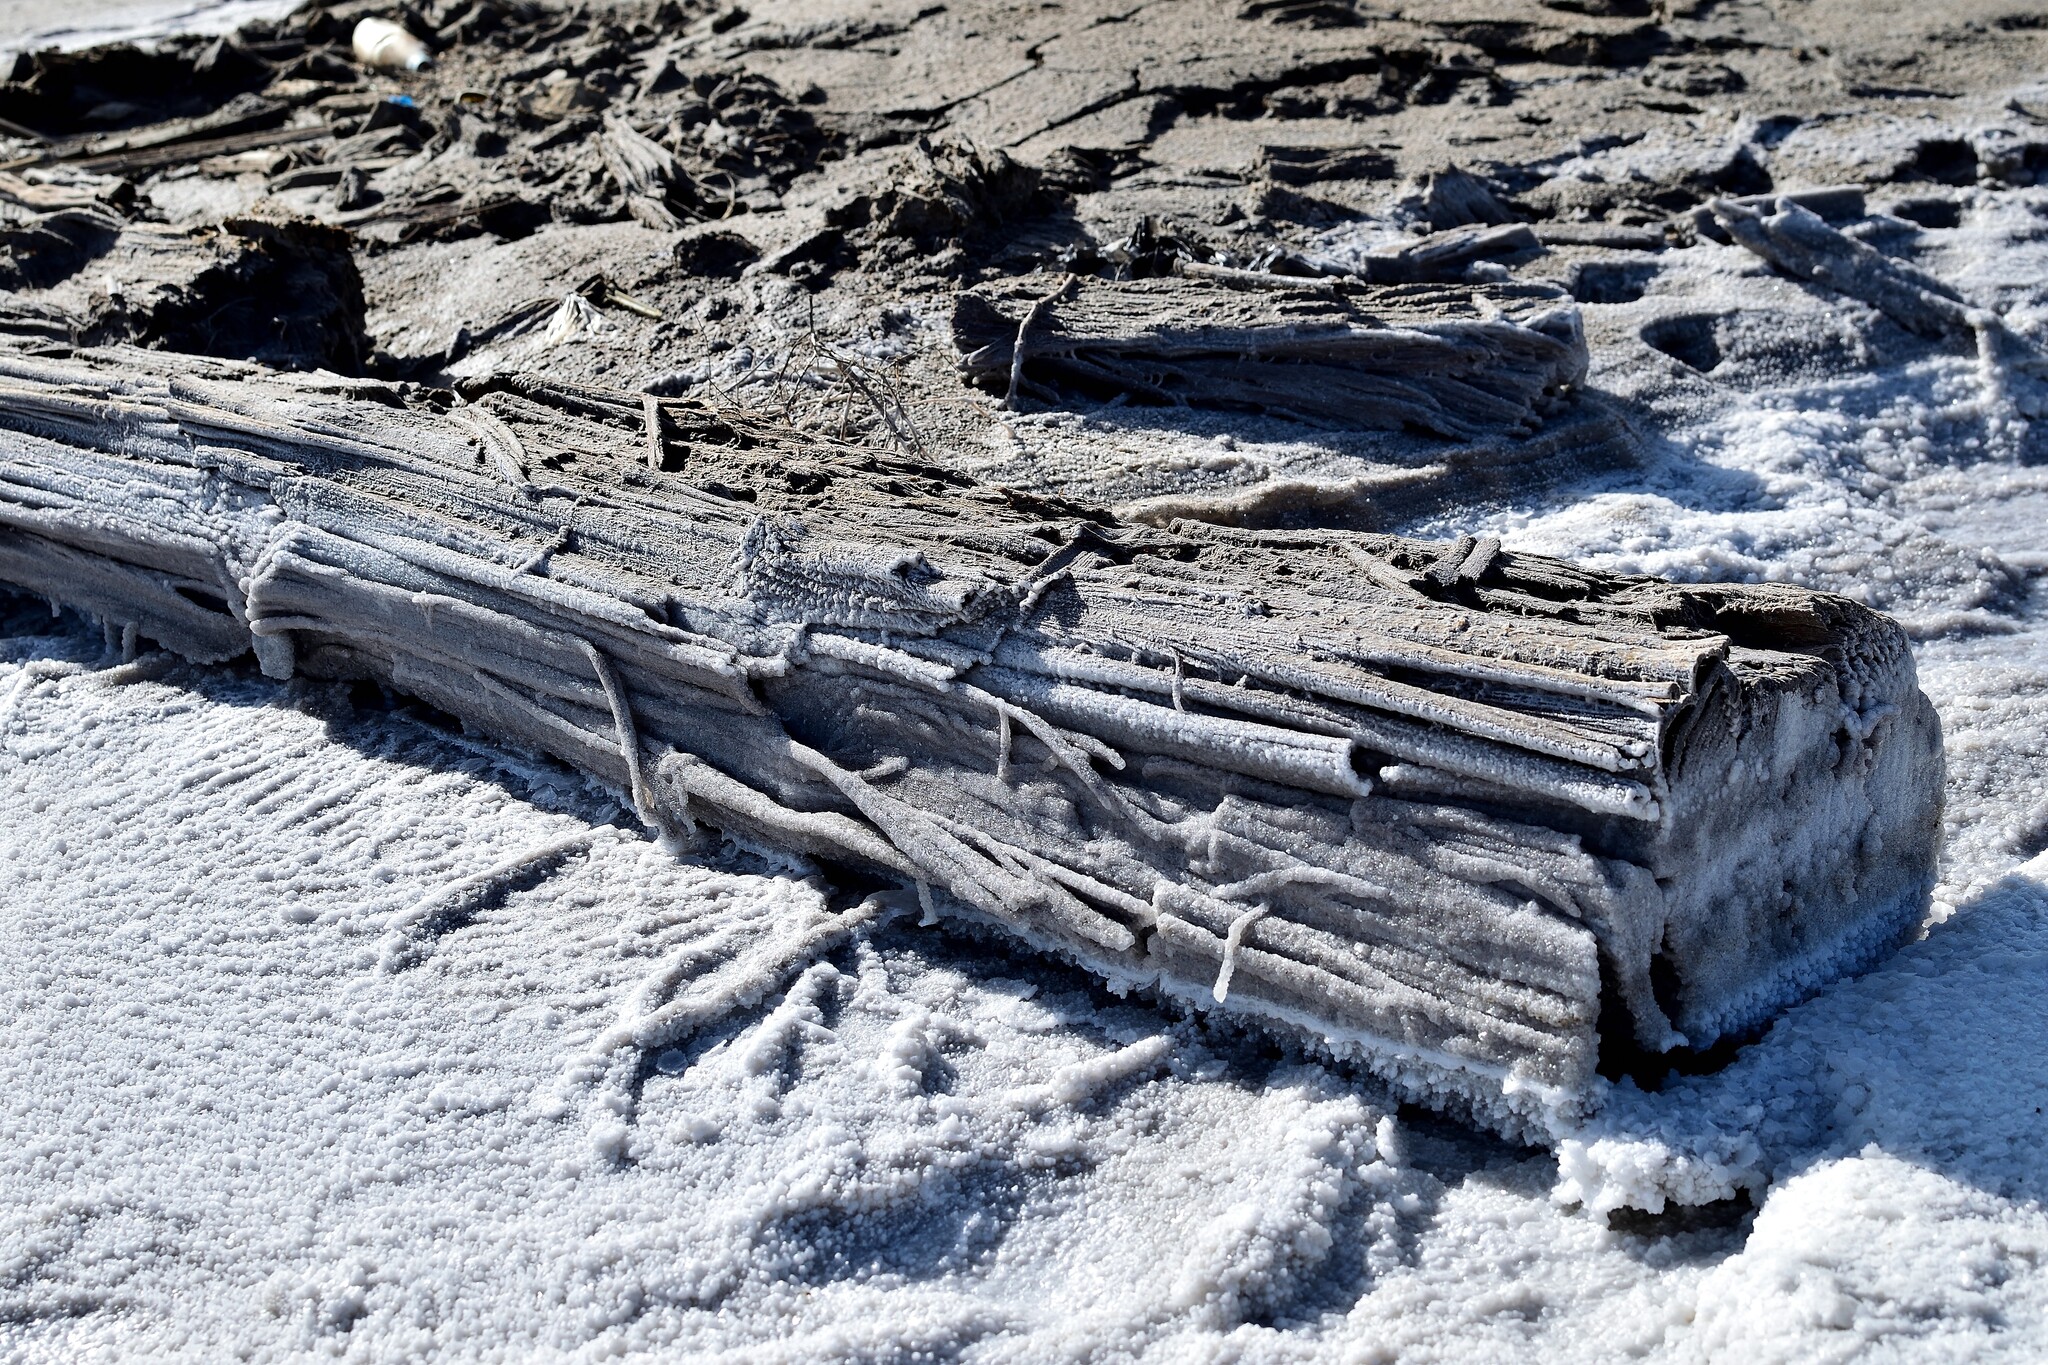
(870, 377)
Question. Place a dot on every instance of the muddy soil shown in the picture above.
(786, 202)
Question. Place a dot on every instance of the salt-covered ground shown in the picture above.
(31, 25)
(280, 1083)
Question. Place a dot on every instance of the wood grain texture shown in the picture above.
(1449, 810)
(1456, 361)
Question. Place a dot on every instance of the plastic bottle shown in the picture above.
(387, 46)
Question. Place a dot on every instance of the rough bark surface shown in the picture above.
(1463, 815)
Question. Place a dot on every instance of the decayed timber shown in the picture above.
(281, 290)
(1796, 240)
(1459, 361)
(1449, 810)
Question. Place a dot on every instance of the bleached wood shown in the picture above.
(1436, 807)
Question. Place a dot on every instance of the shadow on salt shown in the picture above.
(1932, 1058)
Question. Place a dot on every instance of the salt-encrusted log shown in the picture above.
(1454, 360)
(1441, 258)
(1464, 815)
(1448, 254)
(1797, 241)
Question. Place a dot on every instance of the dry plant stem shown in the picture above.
(897, 423)
(1436, 808)
(1023, 336)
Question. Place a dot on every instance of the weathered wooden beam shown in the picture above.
(244, 123)
(1464, 815)
(1454, 360)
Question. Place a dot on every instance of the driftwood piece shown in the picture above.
(1301, 166)
(1830, 203)
(244, 123)
(1609, 236)
(1797, 241)
(25, 199)
(1467, 816)
(1455, 361)
(1441, 257)
(1588, 439)
(414, 218)
(1446, 255)
(182, 153)
(242, 114)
